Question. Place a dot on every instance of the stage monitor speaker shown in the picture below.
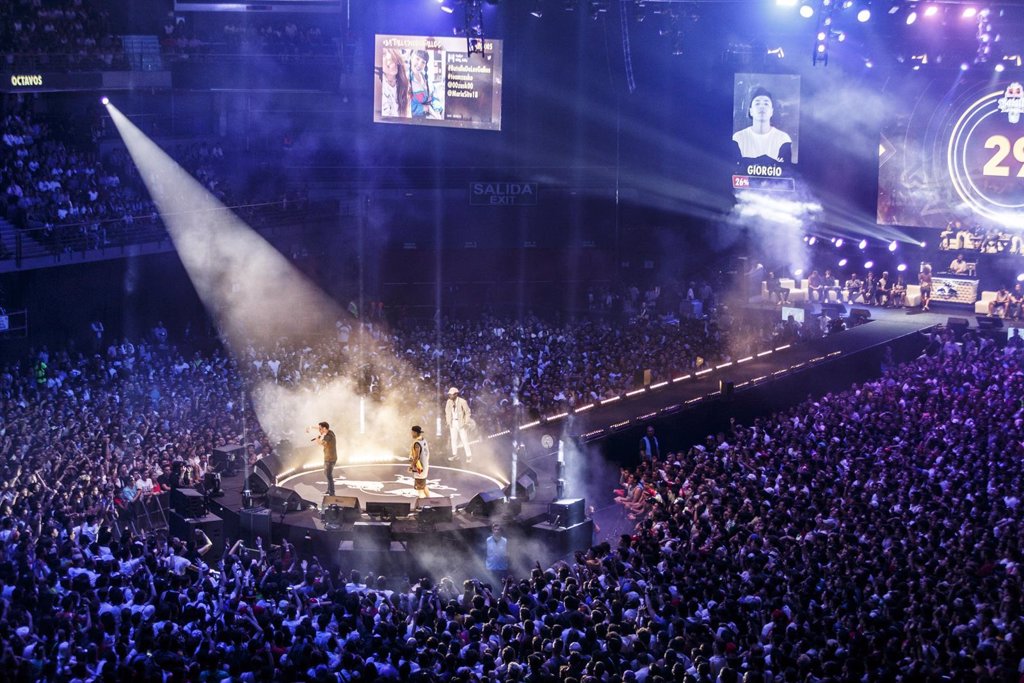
(388, 509)
(987, 323)
(860, 314)
(493, 504)
(958, 325)
(188, 502)
(566, 512)
(371, 535)
(484, 502)
(526, 488)
(228, 459)
(434, 510)
(339, 509)
(185, 528)
(260, 482)
(255, 523)
(271, 466)
(280, 499)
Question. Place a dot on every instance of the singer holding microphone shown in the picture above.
(327, 440)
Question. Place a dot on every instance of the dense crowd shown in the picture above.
(58, 36)
(65, 195)
(869, 535)
(530, 367)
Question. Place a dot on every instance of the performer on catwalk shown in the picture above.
(457, 416)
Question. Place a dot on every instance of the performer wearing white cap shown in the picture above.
(457, 417)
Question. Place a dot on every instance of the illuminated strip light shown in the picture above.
(659, 385)
(797, 366)
(744, 360)
(681, 378)
(783, 348)
(694, 400)
(619, 424)
(758, 379)
(559, 416)
(816, 360)
(834, 353)
(764, 353)
(530, 424)
(630, 394)
(723, 365)
(613, 399)
(504, 433)
(780, 372)
(741, 385)
(674, 406)
(583, 408)
(702, 372)
(648, 416)
(596, 432)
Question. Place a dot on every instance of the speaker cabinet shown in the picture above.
(255, 523)
(526, 488)
(185, 528)
(371, 536)
(188, 502)
(987, 323)
(228, 459)
(434, 510)
(339, 509)
(566, 512)
(280, 499)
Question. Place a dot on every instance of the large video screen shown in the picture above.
(766, 131)
(435, 81)
(952, 155)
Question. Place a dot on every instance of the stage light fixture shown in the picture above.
(840, 36)
(821, 35)
(785, 3)
(864, 15)
(806, 11)
(892, 245)
(869, 265)
(964, 66)
(812, 241)
(839, 242)
(538, 11)
(843, 262)
(104, 100)
(931, 10)
(798, 272)
(1000, 68)
(447, 9)
(1020, 277)
(869, 64)
(911, 18)
(901, 268)
(969, 13)
(862, 245)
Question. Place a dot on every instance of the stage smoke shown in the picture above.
(261, 305)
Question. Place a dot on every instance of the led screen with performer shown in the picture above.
(766, 115)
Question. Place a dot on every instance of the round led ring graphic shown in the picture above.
(959, 169)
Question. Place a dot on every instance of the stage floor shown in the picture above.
(390, 482)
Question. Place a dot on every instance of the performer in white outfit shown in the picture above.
(457, 417)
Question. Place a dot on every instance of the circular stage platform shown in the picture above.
(391, 482)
